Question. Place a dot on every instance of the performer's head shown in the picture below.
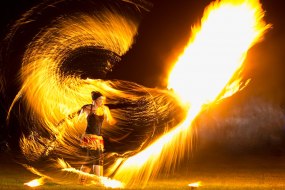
(97, 97)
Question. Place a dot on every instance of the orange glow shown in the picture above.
(205, 72)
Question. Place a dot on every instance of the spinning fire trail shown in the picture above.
(207, 71)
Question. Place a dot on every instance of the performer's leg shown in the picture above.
(98, 167)
(83, 177)
(85, 169)
(98, 170)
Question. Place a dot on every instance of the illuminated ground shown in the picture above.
(238, 173)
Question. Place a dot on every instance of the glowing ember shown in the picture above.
(206, 71)
(196, 184)
(35, 182)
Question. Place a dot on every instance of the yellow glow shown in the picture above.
(196, 184)
(206, 71)
(110, 183)
(35, 182)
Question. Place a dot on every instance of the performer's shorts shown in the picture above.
(92, 142)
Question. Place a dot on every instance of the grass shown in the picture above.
(249, 174)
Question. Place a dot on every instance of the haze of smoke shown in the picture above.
(254, 124)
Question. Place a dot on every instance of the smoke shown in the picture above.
(248, 126)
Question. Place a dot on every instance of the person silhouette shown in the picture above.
(92, 140)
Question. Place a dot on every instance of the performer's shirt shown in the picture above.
(94, 123)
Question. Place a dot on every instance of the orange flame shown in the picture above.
(217, 50)
(206, 71)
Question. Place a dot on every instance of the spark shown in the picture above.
(35, 182)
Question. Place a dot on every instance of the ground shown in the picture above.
(254, 172)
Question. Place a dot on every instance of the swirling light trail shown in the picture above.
(207, 71)
(49, 97)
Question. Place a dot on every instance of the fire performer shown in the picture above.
(92, 139)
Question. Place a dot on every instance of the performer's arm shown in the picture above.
(81, 113)
(108, 116)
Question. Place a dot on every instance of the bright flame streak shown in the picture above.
(105, 181)
(140, 167)
(196, 184)
(229, 29)
(35, 182)
(210, 61)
